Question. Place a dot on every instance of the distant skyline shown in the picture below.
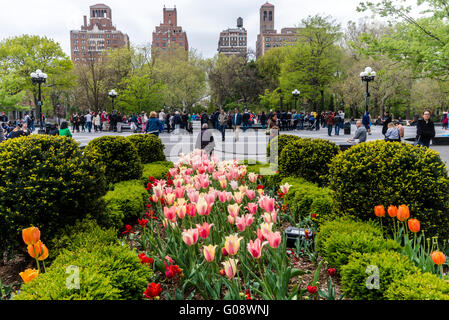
(202, 20)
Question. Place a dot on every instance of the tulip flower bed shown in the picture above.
(213, 233)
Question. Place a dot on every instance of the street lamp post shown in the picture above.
(295, 94)
(39, 77)
(113, 95)
(368, 75)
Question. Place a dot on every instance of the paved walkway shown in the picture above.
(252, 143)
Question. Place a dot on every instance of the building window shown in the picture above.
(164, 44)
(82, 36)
(164, 39)
(75, 42)
(114, 41)
(271, 15)
(157, 38)
(108, 36)
(268, 39)
(108, 41)
(157, 44)
(264, 16)
(180, 38)
(75, 36)
(173, 39)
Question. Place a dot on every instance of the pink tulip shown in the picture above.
(232, 244)
(191, 210)
(255, 248)
(179, 192)
(181, 211)
(234, 185)
(267, 218)
(173, 171)
(251, 194)
(170, 213)
(204, 230)
(252, 207)
(228, 175)
(209, 252)
(238, 197)
(190, 236)
(201, 170)
(223, 183)
(211, 167)
(230, 268)
(231, 219)
(228, 196)
(274, 239)
(240, 222)
(252, 177)
(170, 198)
(202, 206)
(274, 216)
(259, 235)
(158, 191)
(249, 219)
(197, 185)
(205, 183)
(178, 183)
(168, 190)
(265, 229)
(233, 210)
(222, 196)
(266, 203)
(193, 196)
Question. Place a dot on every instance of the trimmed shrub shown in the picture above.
(119, 272)
(125, 203)
(149, 147)
(45, 181)
(380, 172)
(108, 270)
(305, 198)
(418, 286)
(83, 234)
(307, 158)
(158, 170)
(391, 266)
(282, 141)
(118, 155)
(339, 246)
(343, 226)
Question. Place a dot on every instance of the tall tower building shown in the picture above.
(233, 41)
(87, 44)
(268, 36)
(168, 35)
(267, 18)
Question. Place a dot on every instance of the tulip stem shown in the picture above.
(37, 261)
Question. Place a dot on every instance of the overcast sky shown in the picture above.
(203, 20)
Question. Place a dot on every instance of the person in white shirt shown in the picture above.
(162, 117)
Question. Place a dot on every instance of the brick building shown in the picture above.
(100, 34)
(234, 41)
(268, 36)
(168, 36)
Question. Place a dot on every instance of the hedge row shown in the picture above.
(305, 198)
(107, 270)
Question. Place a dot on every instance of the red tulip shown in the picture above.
(414, 225)
(379, 211)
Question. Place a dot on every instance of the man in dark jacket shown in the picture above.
(386, 120)
(205, 140)
(425, 130)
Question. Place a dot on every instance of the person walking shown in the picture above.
(82, 121)
(222, 121)
(400, 128)
(360, 133)
(366, 120)
(425, 130)
(144, 121)
(330, 120)
(88, 118)
(153, 124)
(337, 122)
(445, 121)
(236, 123)
(273, 126)
(205, 140)
(97, 122)
(162, 117)
(64, 130)
(263, 120)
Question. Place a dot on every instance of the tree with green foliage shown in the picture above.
(422, 43)
(22, 55)
(311, 65)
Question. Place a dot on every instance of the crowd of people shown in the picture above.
(273, 122)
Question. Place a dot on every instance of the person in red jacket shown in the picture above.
(330, 121)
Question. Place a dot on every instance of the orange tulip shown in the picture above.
(403, 212)
(438, 257)
(40, 249)
(31, 235)
(392, 211)
(379, 211)
(28, 275)
(414, 225)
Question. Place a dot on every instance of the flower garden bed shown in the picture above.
(208, 229)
